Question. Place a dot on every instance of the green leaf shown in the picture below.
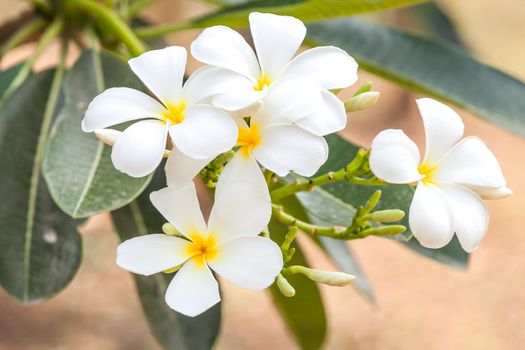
(332, 211)
(306, 10)
(7, 77)
(171, 329)
(304, 313)
(430, 66)
(77, 166)
(40, 246)
(452, 254)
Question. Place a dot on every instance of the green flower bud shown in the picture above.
(391, 215)
(361, 101)
(331, 278)
(171, 230)
(284, 286)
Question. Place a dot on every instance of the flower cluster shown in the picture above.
(272, 109)
(269, 108)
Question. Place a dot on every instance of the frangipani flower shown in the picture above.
(278, 136)
(197, 130)
(452, 179)
(229, 245)
(247, 76)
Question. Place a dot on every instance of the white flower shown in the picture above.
(228, 244)
(197, 130)
(277, 137)
(452, 179)
(246, 76)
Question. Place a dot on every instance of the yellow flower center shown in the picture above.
(427, 170)
(174, 113)
(248, 139)
(202, 248)
(263, 81)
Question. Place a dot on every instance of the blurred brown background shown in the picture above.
(420, 303)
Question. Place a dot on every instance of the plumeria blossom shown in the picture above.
(197, 130)
(282, 135)
(452, 179)
(246, 75)
(229, 245)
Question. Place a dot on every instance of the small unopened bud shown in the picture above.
(284, 286)
(108, 136)
(391, 215)
(390, 230)
(171, 230)
(361, 101)
(331, 278)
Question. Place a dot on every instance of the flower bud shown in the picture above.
(284, 286)
(108, 136)
(391, 215)
(171, 230)
(361, 101)
(331, 278)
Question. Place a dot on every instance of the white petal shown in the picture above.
(119, 105)
(241, 208)
(276, 40)
(289, 148)
(329, 118)
(108, 136)
(209, 81)
(470, 216)
(150, 254)
(139, 149)
(287, 101)
(471, 163)
(249, 262)
(162, 71)
(223, 47)
(239, 100)
(181, 208)
(205, 131)
(429, 218)
(181, 169)
(193, 290)
(443, 128)
(330, 66)
(394, 157)
(242, 169)
(492, 193)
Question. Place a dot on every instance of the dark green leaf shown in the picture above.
(171, 329)
(7, 77)
(430, 66)
(304, 313)
(306, 10)
(40, 246)
(77, 166)
(452, 254)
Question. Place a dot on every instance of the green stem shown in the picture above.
(106, 18)
(51, 33)
(346, 174)
(155, 31)
(22, 35)
(337, 232)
